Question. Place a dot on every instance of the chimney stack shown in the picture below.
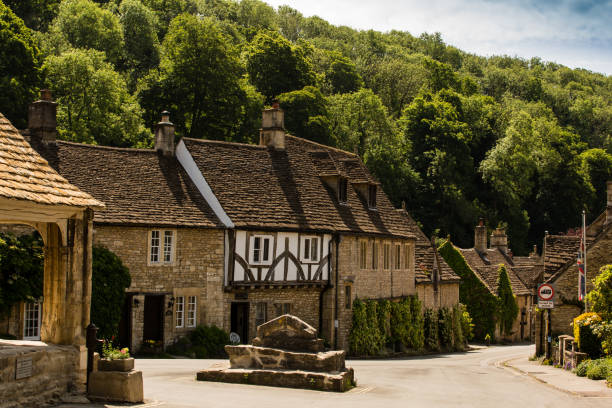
(480, 236)
(42, 118)
(272, 132)
(609, 203)
(164, 135)
(499, 239)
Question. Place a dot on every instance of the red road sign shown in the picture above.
(545, 292)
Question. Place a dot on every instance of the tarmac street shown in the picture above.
(477, 378)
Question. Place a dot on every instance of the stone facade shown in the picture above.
(446, 296)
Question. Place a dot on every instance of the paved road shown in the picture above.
(472, 379)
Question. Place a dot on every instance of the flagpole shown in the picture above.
(586, 305)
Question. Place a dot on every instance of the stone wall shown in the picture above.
(524, 303)
(446, 296)
(365, 283)
(53, 372)
(197, 270)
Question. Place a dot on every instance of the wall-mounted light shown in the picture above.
(171, 303)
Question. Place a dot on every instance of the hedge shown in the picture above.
(588, 342)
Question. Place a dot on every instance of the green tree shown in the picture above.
(167, 10)
(84, 24)
(198, 81)
(596, 165)
(141, 43)
(508, 308)
(20, 67)
(36, 14)
(94, 105)
(600, 297)
(343, 76)
(306, 114)
(275, 66)
(109, 280)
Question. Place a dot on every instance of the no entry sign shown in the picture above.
(545, 296)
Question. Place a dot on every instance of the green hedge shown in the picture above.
(508, 308)
(432, 338)
(445, 326)
(481, 304)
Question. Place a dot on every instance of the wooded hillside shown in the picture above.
(454, 135)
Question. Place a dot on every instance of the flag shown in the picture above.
(581, 272)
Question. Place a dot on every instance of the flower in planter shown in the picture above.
(111, 352)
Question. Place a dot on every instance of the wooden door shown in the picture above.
(154, 317)
(240, 320)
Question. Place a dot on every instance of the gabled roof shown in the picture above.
(486, 265)
(263, 188)
(139, 186)
(25, 175)
(425, 256)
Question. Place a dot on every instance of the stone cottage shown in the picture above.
(484, 260)
(560, 253)
(234, 234)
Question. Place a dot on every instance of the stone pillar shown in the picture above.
(164, 135)
(137, 322)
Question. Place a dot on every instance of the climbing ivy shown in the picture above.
(407, 323)
(384, 320)
(445, 326)
(432, 339)
(481, 304)
(508, 308)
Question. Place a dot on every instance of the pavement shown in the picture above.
(497, 376)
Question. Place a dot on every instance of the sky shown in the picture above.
(576, 33)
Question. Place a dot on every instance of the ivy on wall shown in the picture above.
(481, 304)
(508, 308)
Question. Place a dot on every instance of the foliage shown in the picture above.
(431, 330)
(111, 352)
(459, 339)
(306, 114)
(446, 329)
(36, 14)
(587, 341)
(600, 297)
(406, 323)
(20, 67)
(141, 43)
(479, 302)
(384, 320)
(209, 341)
(365, 337)
(467, 327)
(109, 280)
(508, 308)
(377, 339)
(581, 369)
(603, 331)
(598, 369)
(94, 105)
(21, 269)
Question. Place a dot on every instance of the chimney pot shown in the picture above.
(164, 135)
(42, 118)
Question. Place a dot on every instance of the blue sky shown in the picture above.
(574, 33)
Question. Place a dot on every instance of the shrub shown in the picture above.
(432, 341)
(384, 320)
(209, 341)
(458, 338)
(599, 369)
(376, 338)
(600, 298)
(358, 335)
(467, 327)
(445, 327)
(417, 329)
(588, 342)
(581, 369)
(603, 331)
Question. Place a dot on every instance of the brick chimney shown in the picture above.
(499, 239)
(609, 203)
(42, 118)
(480, 236)
(272, 131)
(164, 135)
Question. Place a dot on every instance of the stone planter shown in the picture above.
(124, 365)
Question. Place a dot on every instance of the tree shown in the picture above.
(198, 81)
(94, 105)
(20, 67)
(36, 14)
(84, 24)
(600, 297)
(141, 45)
(275, 66)
(306, 114)
(167, 10)
(109, 280)
(596, 165)
(343, 76)
(508, 308)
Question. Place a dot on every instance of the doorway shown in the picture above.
(240, 320)
(153, 318)
(125, 324)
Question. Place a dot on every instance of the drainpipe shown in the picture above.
(336, 296)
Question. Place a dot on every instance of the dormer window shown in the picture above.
(342, 190)
(372, 196)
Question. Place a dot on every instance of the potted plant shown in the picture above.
(115, 359)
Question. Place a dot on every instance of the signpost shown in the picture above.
(546, 294)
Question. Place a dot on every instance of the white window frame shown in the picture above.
(165, 254)
(269, 255)
(179, 312)
(37, 308)
(192, 308)
(306, 254)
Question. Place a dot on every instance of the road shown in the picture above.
(472, 379)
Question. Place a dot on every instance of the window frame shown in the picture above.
(398, 257)
(317, 247)
(375, 254)
(161, 247)
(363, 254)
(261, 318)
(407, 256)
(386, 256)
(342, 190)
(372, 192)
(269, 253)
(192, 312)
(348, 297)
(26, 318)
(179, 312)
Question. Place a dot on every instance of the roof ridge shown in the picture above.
(224, 142)
(124, 149)
(301, 139)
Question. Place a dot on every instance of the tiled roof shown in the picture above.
(138, 186)
(260, 187)
(425, 256)
(25, 175)
(558, 251)
(486, 266)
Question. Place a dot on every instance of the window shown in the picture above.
(31, 321)
(363, 248)
(407, 256)
(179, 305)
(261, 313)
(261, 246)
(347, 297)
(386, 254)
(372, 196)
(282, 308)
(398, 256)
(310, 249)
(374, 255)
(192, 304)
(158, 253)
(342, 190)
